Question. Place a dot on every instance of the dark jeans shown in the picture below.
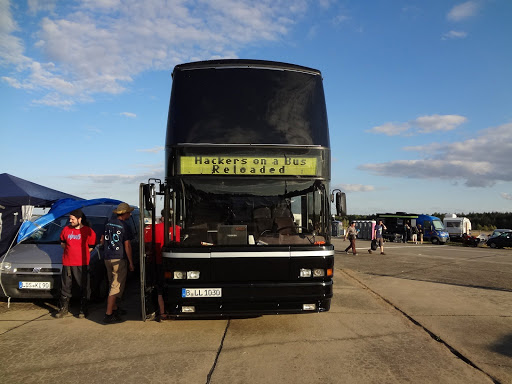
(353, 246)
(80, 274)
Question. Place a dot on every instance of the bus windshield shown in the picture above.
(249, 212)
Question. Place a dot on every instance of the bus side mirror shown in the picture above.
(341, 204)
(146, 190)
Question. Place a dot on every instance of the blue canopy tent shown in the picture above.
(17, 199)
(59, 208)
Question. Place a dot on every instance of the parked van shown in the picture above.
(32, 268)
(433, 228)
(457, 226)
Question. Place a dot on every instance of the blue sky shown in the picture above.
(419, 93)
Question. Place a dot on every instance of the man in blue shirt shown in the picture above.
(118, 250)
(379, 228)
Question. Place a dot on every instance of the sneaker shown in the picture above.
(83, 314)
(382, 253)
(369, 251)
(355, 254)
(120, 312)
(346, 252)
(113, 318)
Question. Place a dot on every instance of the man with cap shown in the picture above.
(118, 250)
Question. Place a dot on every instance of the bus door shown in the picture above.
(148, 220)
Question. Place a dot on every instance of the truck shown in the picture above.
(433, 228)
(456, 226)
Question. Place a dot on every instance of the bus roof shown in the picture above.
(247, 102)
(244, 63)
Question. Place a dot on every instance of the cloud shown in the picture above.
(113, 179)
(11, 47)
(156, 149)
(422, 124)
(356, 188)
(507, 196)
(128, 114)
(479, 162)
(454, 35)
(463, 11)
(99, 46)
(433, 123)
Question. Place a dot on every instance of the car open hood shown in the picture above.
(59, 208)
(35, 254)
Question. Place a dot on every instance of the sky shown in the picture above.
(419, 93)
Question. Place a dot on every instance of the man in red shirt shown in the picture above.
(77, 240)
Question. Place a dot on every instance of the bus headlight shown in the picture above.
(318, 272)
(192, 275)
(305, 272)
(179, 275)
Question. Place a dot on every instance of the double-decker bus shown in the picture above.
(247, 205)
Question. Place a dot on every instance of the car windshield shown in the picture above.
(50, 233)
(438, 225)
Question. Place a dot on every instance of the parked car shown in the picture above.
(498, 232)
(32, 268)
(500, 241)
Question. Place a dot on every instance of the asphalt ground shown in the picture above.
(391, 321)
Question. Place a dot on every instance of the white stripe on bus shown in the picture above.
(227, 255)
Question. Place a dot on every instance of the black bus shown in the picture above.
(246, 192)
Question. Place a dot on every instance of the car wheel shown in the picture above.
(435, 240)
(492, 245)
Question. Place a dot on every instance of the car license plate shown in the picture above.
(34, 285)
(201, 292)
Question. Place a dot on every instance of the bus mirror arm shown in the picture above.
(341, 202)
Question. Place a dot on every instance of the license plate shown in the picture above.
(201, 292)
(34, 285)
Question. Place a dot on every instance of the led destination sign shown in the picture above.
(251, 166)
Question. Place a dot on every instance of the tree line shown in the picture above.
(486, 221)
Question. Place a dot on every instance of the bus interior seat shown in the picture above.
(283, 220)
(263, 219)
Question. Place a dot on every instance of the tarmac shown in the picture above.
(379, 330)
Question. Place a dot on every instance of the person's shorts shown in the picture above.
(116, 271)
(380, 241)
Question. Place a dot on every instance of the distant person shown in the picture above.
(78, 240)
(158, 273)
(352, 236)
(378, 235)
(118, 250)
(414, 232)
(407, 229)
(420, 233)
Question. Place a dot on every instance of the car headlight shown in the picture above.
(6, 267)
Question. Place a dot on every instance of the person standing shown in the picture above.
(352, 235)
(377, 235)
(118, 250)
(420, 233)
(414, 232)
(78, 240)
(407, 229)
(157, 271)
